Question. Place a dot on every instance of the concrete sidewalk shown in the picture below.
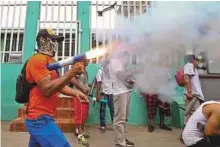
(138, 134)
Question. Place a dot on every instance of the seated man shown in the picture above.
(152, 103)
(207, 115)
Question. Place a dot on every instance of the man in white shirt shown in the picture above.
(203, 124)
(193, 91)
(121, 96)
(104, 91)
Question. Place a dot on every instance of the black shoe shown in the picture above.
(102, 129)
(150, 128)
(181, 139)
(118, 145)
(86, 135)
(129, 143)
(164, 127)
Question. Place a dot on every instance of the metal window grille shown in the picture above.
(12, 23)
(128, 9)
(106, 22)
(62, 18)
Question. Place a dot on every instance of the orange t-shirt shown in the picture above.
(39, 104)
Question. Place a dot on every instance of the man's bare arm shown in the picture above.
(98, 90)
(83, 88)
(73, 92)
(188, 85)
(212, 127)
(69, 91)
(76, 83)
(48, 86)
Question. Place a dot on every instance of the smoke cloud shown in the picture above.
(161, 37)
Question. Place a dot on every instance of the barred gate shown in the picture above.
(57, 15)
(61, 16)
(12, 24)
(106, 22)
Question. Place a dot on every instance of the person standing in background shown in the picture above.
(153, 103)
(193, 91)
(121, 96)
(104, 91)
(81, 108)
(193, 94)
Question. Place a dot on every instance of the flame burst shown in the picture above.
(95, 53)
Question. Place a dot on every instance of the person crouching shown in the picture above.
(203, 124)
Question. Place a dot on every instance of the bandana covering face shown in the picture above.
(54, 45)
(48, 45)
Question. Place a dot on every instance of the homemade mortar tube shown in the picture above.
(88, 55)
(68, 61)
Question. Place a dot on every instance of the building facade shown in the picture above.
(78, 22)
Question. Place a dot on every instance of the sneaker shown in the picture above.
(129, 143)
(118, 145)
(86, 135)
(151, 128)
(181, 139)
(81, 140)
(102, 129)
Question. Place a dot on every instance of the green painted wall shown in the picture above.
(9, 72)
(138, 111)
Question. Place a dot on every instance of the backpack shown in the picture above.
(23, 88)
(179, 76)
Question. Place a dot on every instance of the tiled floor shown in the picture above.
(138, 134)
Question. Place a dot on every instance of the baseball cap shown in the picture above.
(50, 34)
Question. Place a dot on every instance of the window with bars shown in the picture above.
(67, 51)
(61, 16)
(13, 41)
(17, 45)
(131, 8)
(106, 22)
(12, 23)
(97, 43)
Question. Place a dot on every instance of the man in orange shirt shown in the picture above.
(43, 98)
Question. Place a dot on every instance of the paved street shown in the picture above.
(138, 134)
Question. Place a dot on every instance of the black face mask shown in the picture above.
(203, 67)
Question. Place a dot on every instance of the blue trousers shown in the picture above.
(109, 98)
(45, 133)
